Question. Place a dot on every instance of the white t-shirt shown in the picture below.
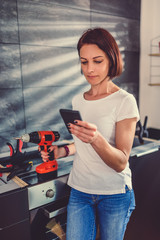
(89, 173)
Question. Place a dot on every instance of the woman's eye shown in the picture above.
(98, 61)
(84, 62)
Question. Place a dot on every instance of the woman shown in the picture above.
(100, 180)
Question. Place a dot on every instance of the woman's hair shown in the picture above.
(105, 41)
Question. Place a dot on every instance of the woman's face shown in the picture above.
(94, 63)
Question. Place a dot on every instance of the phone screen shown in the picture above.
(69, 116)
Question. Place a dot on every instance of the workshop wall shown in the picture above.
(39, 65)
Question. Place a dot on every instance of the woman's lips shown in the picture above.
(91, 76)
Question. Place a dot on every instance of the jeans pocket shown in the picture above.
(131, 206)
(129, 213)
(127, 188)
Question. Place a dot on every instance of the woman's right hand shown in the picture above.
(59, 152)
(45, 155)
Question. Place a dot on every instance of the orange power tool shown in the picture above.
(44, 139)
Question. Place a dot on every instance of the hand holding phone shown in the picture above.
(69, 116)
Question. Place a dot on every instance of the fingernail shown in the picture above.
(68, 124)
(75, 121)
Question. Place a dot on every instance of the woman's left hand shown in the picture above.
(86, 132)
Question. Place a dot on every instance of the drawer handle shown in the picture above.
(55, 213)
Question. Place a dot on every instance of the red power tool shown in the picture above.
(44, 139)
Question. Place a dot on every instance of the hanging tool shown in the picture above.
(143, 132)
(16, 162)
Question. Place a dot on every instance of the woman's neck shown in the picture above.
(101, 90)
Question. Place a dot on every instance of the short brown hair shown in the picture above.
(105, 41)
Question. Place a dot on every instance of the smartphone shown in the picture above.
(69, 116)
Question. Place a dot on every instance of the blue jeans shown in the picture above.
(110, 212)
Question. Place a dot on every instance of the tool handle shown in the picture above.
(19, 146)
(45, 148)
(11, 149)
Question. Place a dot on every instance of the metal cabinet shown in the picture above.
(144, 223)
(14, 220)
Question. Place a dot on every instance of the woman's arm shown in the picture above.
(59, 152)
(115, 157)
(62, 150)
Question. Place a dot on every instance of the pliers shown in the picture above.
(16, 161)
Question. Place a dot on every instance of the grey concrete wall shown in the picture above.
(39, 66)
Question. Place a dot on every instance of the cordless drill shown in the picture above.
(44, 139)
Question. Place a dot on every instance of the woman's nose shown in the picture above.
(90, 67)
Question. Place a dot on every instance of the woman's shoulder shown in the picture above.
(78, 97)
(125, 95)
(127, 101)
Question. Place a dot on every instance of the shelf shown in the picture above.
(154, 54)
(154, 62)
(154, 84)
